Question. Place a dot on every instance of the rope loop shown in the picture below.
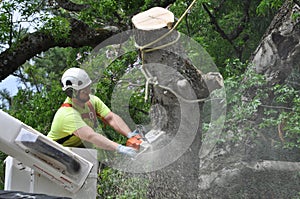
(142, 49)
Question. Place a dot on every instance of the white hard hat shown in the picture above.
(75, 78)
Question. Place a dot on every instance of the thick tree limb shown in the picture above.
(232, 174)
(35, 43)
(282, 166)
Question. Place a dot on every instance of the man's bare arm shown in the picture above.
(117, 123)
(88, 134)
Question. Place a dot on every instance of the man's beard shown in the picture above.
(82, 100)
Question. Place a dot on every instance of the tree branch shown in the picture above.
(70, 6)
(218, 8)
(35, 43)
(161, 3)
(237, 31)
(5, 95)
(276, 107)
(214, 22)
(225, 36)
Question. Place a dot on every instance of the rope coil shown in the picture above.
(143, 50)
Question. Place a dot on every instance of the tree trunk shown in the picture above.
(176, 85)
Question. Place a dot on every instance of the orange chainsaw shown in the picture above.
(142, 141)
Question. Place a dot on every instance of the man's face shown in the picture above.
(84, 94)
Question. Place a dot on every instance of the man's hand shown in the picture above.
(127, 150)
(134, 133)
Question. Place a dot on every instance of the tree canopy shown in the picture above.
(29, 28)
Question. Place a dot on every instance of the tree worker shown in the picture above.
(75, 121)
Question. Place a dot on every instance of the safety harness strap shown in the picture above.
(91, 115)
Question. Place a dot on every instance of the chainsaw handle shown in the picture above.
(134, 142)
(133, 133)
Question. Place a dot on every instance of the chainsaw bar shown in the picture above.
(153, 135)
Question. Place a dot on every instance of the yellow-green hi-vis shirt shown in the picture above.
(68, 119)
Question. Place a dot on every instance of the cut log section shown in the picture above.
(154, 18)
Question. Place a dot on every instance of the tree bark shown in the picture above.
(171, 71)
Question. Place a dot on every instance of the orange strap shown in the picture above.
(91, 115)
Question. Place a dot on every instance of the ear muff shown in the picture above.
(69, 92)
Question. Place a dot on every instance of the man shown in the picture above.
(75, 119)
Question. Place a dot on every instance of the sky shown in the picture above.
(11, 84)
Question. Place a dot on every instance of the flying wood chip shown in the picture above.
(154, 18)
